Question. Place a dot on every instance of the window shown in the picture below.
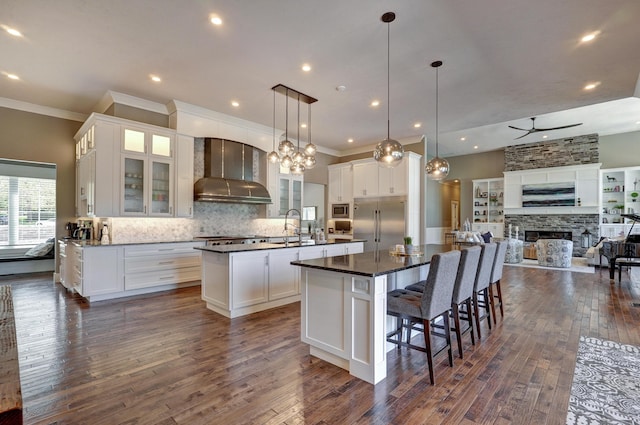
(27, 203)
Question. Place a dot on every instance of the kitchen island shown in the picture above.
(241, 279)
(344, 306)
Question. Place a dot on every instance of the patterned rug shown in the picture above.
(606, 384)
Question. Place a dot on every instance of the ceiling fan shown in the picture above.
(533, 128)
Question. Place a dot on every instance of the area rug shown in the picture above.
(577, 265)
(606, 384)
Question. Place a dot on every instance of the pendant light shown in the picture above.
(297, 168)
(273, 156)
(294, 159)
(437, 168)
(310, 150)
(389, 152)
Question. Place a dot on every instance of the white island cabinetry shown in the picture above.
(238, 283)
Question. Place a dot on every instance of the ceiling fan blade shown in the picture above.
(518, 128)
(524, 135)
(559, 128)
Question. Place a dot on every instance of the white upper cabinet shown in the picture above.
(340, 183)
(365, 178)
(127, 168)
(371, 180)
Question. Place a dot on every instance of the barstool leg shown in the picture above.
(493, 306)
(476, 311)
(447, 333)
(456, 323)
(470, 318)
(500, 297)
(427, 343)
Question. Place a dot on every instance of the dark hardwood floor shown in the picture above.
(166, 359)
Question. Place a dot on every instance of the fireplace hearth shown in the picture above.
(534, 235)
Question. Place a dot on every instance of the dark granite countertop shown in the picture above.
(93, 243)
(372, 263)
(227, 249)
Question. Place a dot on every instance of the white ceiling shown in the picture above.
(504, 61)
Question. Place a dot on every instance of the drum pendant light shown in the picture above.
(389, 152)
(437, 168)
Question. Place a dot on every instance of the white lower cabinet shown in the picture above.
(95, 272)
(160, 264)
(250, 270)
(241, 283)
(283, 277)
(113, 271)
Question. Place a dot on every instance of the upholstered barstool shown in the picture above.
(496, 276)
(481, 285)
(463, 292)
(432, 303)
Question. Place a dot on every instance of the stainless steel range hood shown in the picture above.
(228, 175)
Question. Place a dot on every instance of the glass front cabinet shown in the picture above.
(147, 173)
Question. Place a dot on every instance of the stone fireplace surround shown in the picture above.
(570, 223)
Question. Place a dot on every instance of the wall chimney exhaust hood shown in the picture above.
(228, 175)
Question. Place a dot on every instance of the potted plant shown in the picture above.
(634, 196)
(408, 247)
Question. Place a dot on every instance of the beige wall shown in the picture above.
(620, 150)
(32, 137)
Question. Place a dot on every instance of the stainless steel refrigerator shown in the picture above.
(380, 222)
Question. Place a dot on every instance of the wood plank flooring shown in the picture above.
(166, 359)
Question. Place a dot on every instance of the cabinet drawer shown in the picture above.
(163, 262)
(145, 280)
(161, 249)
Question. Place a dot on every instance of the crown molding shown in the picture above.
(111, 97)
(41, 110)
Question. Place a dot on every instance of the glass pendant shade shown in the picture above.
(388, 153)
(309, 162)
(286, 147)
(297, 169)
(310, 149)
(273, 157)
(286, 161)
(298, 157)
(437, 168)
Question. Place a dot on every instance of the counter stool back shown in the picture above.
(481, 285)
(463, 292)
(496, 275)
(434, 302)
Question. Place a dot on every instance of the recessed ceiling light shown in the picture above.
(375, 103)
(306, 67)
(341, 88)
(463, 138)
(155, 78)
(475, 147)
(545, 136)
(590, 37)
(637, 122)
(350, 140)
(592, 86)
(215, 20)
(14, 32)
(235, 103)
(303, 125)
(13, 76)
(417, 125)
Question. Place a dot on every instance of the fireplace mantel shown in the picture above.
(587, 183)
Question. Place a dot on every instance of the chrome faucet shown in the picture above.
(296, 229)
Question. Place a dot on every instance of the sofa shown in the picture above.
(554, 252)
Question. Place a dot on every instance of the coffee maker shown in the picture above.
(72, 230)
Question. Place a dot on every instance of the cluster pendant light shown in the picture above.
(437, 168)
(288, 155)
(389, 152)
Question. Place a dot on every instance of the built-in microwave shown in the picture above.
(340, 211)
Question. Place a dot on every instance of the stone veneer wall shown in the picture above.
(576, 224)
(555, 153)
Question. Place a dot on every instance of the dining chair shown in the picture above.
(481, 285)
(434, 302)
